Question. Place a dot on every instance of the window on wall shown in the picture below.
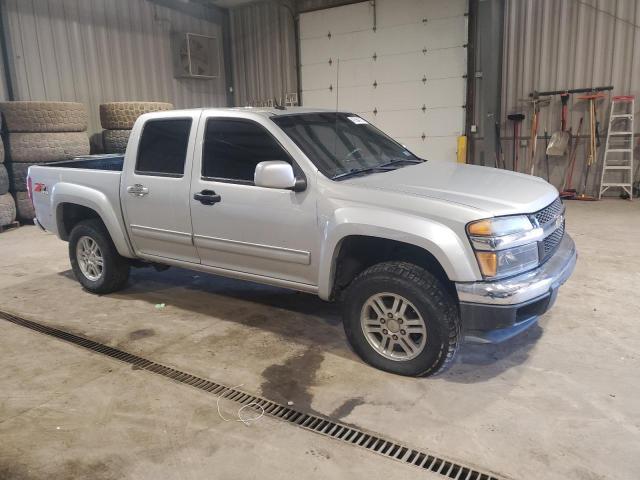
(233, 148)
(163, 147)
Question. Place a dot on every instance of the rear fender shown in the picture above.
(97, 201)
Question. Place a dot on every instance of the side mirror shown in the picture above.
(276, 174)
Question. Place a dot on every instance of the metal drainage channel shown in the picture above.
(315, 423)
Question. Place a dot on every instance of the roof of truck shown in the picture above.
(266, 111)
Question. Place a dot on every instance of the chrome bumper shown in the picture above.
(522, 288)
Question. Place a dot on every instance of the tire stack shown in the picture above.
(7, 205)
(39, 132)
(117, 118)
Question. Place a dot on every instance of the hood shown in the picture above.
(498, 192)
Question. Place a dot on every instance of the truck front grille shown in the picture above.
(550, 212)
(544, 217)
(550, 244)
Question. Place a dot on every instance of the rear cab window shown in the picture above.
(163, 147)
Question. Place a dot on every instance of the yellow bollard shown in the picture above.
(462, 149)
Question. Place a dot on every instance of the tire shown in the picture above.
(46, 147)
(7, 209)
(24, 207)
(4, 180)
(426, 297)
(18, 176)
(44, 116)
(115, 270)
(122, 115)
(115, 141)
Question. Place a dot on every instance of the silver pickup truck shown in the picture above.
(422, 254)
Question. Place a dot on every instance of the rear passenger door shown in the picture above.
(155, 189)
(249, 229)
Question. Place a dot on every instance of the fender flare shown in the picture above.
(63, 193)
(436, 238)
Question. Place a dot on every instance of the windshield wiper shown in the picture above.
(401, 160)
(358, 171)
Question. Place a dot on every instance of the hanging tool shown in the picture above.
(516, 118)
(567, 192)
(499, 153)
(559, 143)
(623, 134)
(536, 103)
(592, 156)
(546, 155)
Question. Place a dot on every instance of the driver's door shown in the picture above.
(241, 227)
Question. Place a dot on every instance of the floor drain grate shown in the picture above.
(315, 423)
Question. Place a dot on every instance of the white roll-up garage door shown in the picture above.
(407, 76)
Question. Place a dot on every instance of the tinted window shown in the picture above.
(338, 143)
(233, 148)
(163, 147)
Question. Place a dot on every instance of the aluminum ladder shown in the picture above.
(618, 153)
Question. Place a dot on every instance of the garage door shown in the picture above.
(406, 76)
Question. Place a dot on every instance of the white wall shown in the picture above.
(103, 50)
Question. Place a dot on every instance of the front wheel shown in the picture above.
(399, 318)
(95, 262)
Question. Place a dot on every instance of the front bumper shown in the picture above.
(492, 312)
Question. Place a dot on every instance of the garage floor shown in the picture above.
(561, 401)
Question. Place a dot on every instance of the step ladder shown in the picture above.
(618, 153)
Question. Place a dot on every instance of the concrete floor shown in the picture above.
(560, 401)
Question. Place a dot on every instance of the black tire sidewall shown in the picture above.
(110, 258)
(435, 350)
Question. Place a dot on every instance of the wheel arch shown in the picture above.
(373, 237)
(75, 203)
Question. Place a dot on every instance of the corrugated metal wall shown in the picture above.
(565, 44)
(103, 50)
(263, 50)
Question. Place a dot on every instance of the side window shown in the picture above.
(163, 147)
(233, 148)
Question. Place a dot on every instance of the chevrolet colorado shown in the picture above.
(423, 254)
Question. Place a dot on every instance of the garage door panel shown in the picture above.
(406, 123)
(444, 122)
(432, 148)
(355, 99)
(414, 38)
(317, 76)
(446, 32)
(445, 92)
(399, 12)
(358, 16)
(315, 50)
(450, 62)
(319, 98)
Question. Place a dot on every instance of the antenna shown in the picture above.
(335, 122)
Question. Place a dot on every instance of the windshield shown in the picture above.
(343, 144)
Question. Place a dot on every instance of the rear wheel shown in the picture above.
(400, 318)
(96, 263)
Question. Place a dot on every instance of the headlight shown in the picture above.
(509, 261)
(505, 246)
(500, 226)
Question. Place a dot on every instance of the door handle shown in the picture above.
(207, 197)
(137, 190)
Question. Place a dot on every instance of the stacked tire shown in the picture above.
(117, 119)
(7, 205)
(40, 132)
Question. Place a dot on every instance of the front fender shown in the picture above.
(438, 239)
(99, 202)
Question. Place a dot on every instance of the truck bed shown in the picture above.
(111, 162)
(96, 172)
